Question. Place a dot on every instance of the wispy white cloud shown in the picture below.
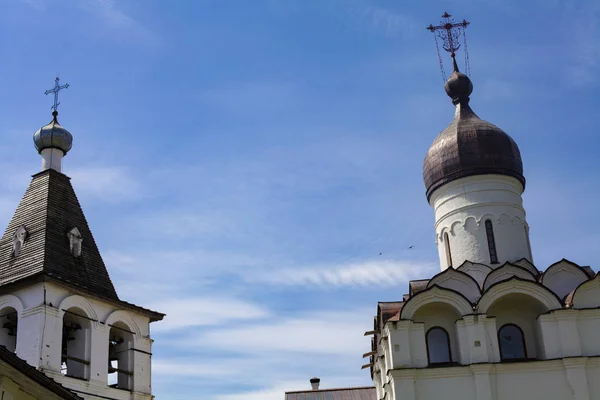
(115, 23)
(326, 332)
(374, 273)
(186, 312)
(387, 21)
(120, 25)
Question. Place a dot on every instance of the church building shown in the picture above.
(59, 311)
(490, 325)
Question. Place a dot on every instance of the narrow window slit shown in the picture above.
(448, 253)
(489, 230)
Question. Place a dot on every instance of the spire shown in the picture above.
(53, 141)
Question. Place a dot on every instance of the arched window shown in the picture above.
(75, 352)
(512, 343)
(448, 254)
(489, 230)
(9, 323)
(438, 346)
(120, 357)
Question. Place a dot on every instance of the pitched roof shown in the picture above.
(20, 365)
(352, 393)
(49, 210)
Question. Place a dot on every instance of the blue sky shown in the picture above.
(243, 164)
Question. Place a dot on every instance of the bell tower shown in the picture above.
(59, 310)
(473, 176)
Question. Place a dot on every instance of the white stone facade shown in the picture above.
(42, 309)
(511, 333)
(462, 208)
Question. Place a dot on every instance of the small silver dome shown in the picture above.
(53, 136)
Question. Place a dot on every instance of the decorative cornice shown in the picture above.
(42, 308)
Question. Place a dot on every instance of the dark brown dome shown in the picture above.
(469, 146)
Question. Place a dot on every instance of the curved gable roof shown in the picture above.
(563, 277)
(476, 270)
(586, 295)
(506, 272)
(458, 281)
(517, 285)
(528, 265)
(436, 294)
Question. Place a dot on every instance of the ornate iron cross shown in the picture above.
(57, 88)
(449, 32)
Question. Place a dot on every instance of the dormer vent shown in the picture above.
(75, 240)
(19, 240)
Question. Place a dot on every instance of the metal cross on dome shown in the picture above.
(449, 32)
(57, 88)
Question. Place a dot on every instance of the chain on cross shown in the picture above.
(449, 32)
(57, 88)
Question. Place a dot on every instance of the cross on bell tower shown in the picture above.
(57, 88)
(449, 32)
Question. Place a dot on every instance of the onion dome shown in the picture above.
(54, 136)
(469, 146)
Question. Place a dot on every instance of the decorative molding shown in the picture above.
(517, 285)
(42, 308)
(77, 301)
(508, 269)
(9, 300)
(442, 225)
(451, 274)
(530, 366)
(436, 294)
(124, 317)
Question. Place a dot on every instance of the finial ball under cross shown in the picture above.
(57, 88)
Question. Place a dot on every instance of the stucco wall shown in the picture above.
(41, 308)
(461, 209)
(539, 380)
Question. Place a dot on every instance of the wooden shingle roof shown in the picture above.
(48, 210)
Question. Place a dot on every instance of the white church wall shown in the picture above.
(588, 328)
(547, 380)
(444, 316)
(455, 386)
(592, 373)
(39, 338)
(461, 208)
(523, 311)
